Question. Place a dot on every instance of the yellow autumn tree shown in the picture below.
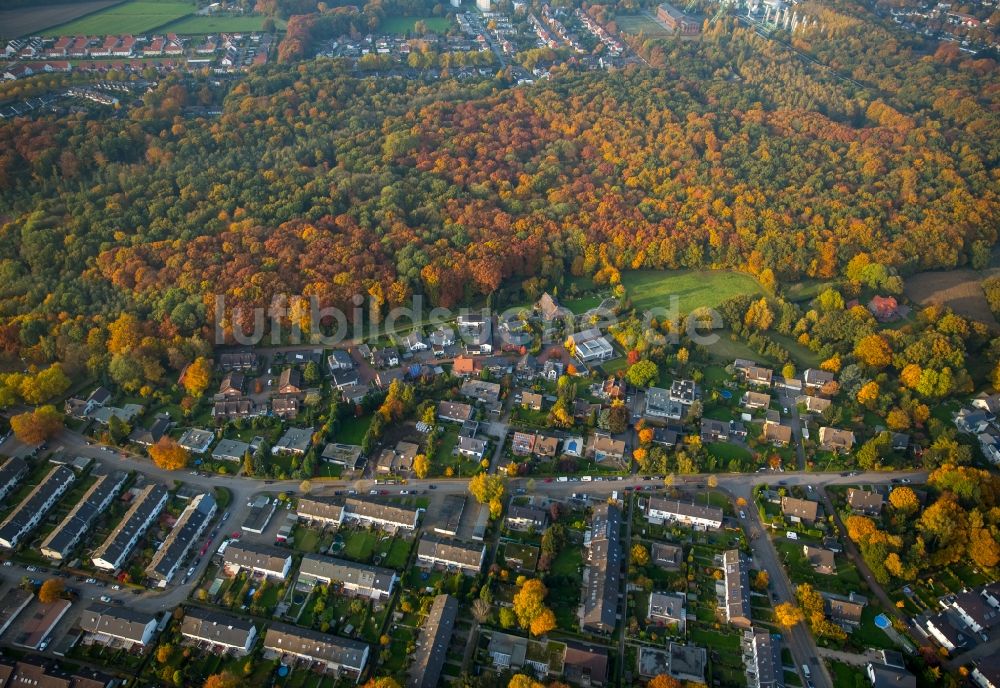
(169, 455)
(421, 466)
(868, 394)
(197, 376)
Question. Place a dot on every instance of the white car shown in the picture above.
(373, 492)
(116, 587)
(105, 599)
(792, 535)
(31, 569)
(743, 514)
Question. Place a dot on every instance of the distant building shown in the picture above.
(736, 583)
(67, 535)
(219, 631)
(28, 514)
(762, 656)
(661, 510)
(453, 555)
(373, 582)
(122, 624)
(192, 523)
(677, 21)
(146, 507)
(265, 560)
(602, 572)
(342, 655)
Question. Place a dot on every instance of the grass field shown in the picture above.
(137, 16)
(651, 289)
(195, 25)
(958, 289)
(29, 20)
(405, 24)
(637, 23)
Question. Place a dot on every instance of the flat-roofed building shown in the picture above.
(661, 510)
(263, 559)
(450, 514)
(29, 513)
(107, 623)
(585, 665)
(374, 582)
(219, 630)
(525, 517)
(192, 523)
(12, 604)
(432, 644)
(450, 554)
(736, 583)
(81, 517)
(454, 411)
(667, 556)
(341, 655)
(146, 507)
(38, 622)
(230, 450)
(668, 609)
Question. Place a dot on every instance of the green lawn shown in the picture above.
(582, 305)
(359, 545)
(353, 430)
(405, 24)
(847, 676)
(135, 17)
(640, 23)
(218, 24)
(650, 289)
(728, 452)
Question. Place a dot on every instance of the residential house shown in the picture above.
(546, 445)
(603, 447)
(147, 437)
(865, 502)
(364, 580)
(32, 509)
(661, 510)
(285, 407)
(471, 447)
(813, 404)
(95, 501)
(239, 360)
(223, 631)
(264, 560)
(229, 409)
(414, 342)
(602, 572)
(345, 379)
(585, 665)
(347, 455)
(756, 400)
(526, 368)
(666, 556)
(290, 381)
(339, 360)
(613, 388)
(322, 511)
(683, 392)
(758, 376)
(776, 433)
(736, 586)
(821, 560)
(440, 339)
(116, 548)
(836, 440)
(550, 310)
(192, 522)
(986, 672)
(486, 392)
(232, 384)
(397, 460)
(552, 369)
(799, 510)
(230, 450)
(340, 655)
(978, 609)
(382, 515)
(713, 430)
(668, 609)
(454, 412)
(464, 366)
(294, 441)
(815, 378)
(990, 403)
(453, 555)
(660, 405)
(476, 332)
(945, 630)
(975, 422)
(123, 624)
(884, 308)
(762, 657)
(531, 400)
(891, 672)
(526, 518)
(846, 612)
(196, 440)
(432, 644)
(589, 345)
(686, 663)
(667, 437)
(12, 472)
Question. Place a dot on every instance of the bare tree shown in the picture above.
(481, 609)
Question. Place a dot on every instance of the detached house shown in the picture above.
(836, 440)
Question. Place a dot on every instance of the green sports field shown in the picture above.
(195, 25)
(403, 25)
(641, 23)
(136, 16)
(694, 288)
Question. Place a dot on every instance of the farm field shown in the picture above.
(30, 20)
(136, 16)
(957, 289)
(195, 25)
(650, 289)
(405, 24)
(637, 23)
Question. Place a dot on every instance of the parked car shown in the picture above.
(105, 599)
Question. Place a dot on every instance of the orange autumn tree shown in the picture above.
(197, 376)
(169, 455)
(34, 427)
